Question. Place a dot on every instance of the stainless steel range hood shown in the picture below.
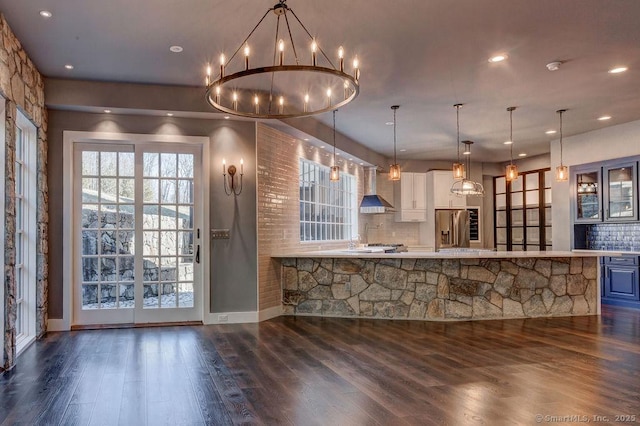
(371, 202)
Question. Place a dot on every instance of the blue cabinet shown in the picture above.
(621, 280)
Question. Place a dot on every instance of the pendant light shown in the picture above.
(394, 170)
(562, 171)
(334, 176)
(511, 171)
(458, 167)
(466, 186)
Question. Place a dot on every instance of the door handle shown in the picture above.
(198, 254)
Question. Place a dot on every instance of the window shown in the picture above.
(328, 210)
(25, 231)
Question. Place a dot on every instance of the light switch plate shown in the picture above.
(220, 234)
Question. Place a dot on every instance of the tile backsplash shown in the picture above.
(613, 236)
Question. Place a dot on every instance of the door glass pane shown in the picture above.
(621, 197)
(516, 185)
(516, 199)
(517, 235)
(588, 197)
(168, 233)
(107, 229)
(533, 217)
(532, 181)
(501, 185)
(532, 198)
(533, 235)
(516, 218)
(501, 201)
(501, 218)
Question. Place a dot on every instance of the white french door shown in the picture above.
(139, 232)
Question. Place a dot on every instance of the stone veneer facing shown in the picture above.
(440, 289)
(23, 87)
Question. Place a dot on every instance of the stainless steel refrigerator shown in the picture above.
(452, 228)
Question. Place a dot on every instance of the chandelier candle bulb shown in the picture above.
(222, 61)
(235, 100)
(306, 102)
(329, 96)
(314, 48)
(256, 102)
(281, 49)
(242, 166)
(281, 104)
(246, 56)
(218, 94)
(224, 166)
(208, 74)
(356, 68)
(341, 57)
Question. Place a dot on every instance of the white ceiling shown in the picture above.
(423, 55)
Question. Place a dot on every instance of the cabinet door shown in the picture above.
(587, 207)
(621, 282)
(442, 181)
(406, 192)
(420, 191)
(620, 192)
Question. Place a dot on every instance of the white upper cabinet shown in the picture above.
(439, 183)
(411, 198)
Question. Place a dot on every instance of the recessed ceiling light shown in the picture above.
(551, 132)
(507, 142)
(226, 117)
(522, 154)
(107, 111)
(403, 150)
(604, 118)
(362, 164)
(618, 70)
(337, 153)
(350, 159)
(46, 14)
(169, 114)
(321, 146)
(389, 123)
(498, 58)
(176, 49)
(306, 139)
(69, 66)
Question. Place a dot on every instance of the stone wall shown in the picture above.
(440, 289)
(22, 86)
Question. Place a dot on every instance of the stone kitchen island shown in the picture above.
(440, 286)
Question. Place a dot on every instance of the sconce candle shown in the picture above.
(232, 185)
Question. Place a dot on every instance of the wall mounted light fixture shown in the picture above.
(232, 184)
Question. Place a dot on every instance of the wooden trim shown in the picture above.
(132, 325)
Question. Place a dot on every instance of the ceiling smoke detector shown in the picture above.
(554, 66)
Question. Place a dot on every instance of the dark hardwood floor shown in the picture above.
(314, 371)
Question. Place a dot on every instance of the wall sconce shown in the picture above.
(233, 186)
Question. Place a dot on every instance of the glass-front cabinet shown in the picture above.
(606, 192)
(588, 196)
(620, 194)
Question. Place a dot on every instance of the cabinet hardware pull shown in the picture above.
(198, 254)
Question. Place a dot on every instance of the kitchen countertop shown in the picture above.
(479, 254)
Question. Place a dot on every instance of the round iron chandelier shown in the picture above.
(288, 87)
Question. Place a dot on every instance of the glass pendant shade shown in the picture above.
(458, 171)
(467, 187)
(511, 172)
(562, 173)
(334, 176)
(394, 172)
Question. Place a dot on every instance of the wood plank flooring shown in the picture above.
(329, 371)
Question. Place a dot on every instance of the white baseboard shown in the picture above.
(267, 314)
(58, 325)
